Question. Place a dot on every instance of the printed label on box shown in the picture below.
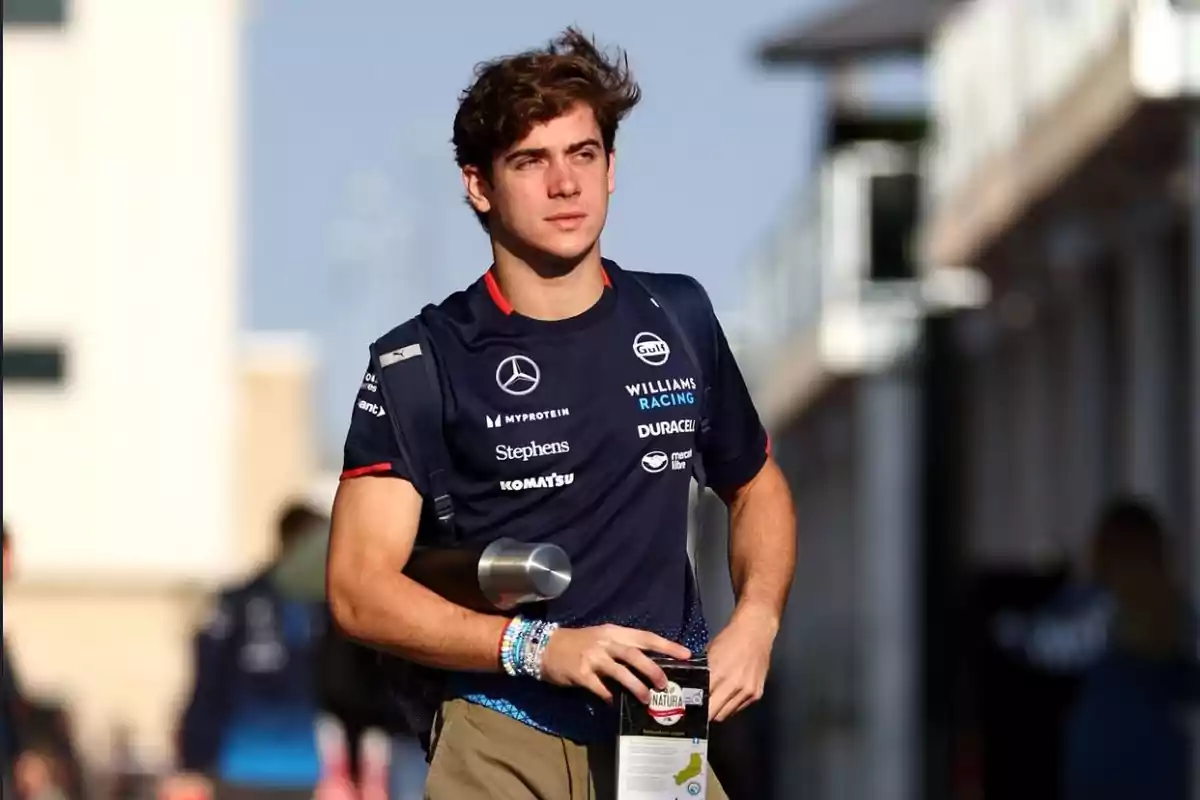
(662, 750)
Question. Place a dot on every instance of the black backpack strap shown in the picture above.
(406, 365)
(412, 398)
(689, 311)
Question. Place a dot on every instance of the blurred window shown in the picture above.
(894, 202)
(29, 363)
(35, 12)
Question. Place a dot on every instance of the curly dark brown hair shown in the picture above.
(512, 94)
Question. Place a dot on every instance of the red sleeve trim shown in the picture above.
(370, 469)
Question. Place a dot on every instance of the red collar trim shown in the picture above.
(493, 288)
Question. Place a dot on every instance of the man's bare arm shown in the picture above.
(762, 538)
(375, 522)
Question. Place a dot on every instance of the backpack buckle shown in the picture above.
(443, 507)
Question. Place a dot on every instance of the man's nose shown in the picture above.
(562, 180)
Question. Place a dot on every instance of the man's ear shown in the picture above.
(477, 188)
(612, 171)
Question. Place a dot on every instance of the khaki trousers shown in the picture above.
(481, 753)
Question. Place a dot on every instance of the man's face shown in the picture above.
(549, 192)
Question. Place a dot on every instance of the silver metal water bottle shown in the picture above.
(512, 573)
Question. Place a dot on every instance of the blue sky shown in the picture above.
(355, 217)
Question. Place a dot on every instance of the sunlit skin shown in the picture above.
(547, 201)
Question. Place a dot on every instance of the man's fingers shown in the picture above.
(732, 701)
(724, 695)
(642, 663)
(623, 676)
(645, 640)
(718, 699)
(722, 714)
(742, 706)
(666, 647)
(716, 678)
(743, 702)
(727, 705)
(718, 681)
(596, 686)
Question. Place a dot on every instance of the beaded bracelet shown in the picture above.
(523, 645)
(535, 648)
(508, 644)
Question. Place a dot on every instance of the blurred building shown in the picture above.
(121, 179)
(978, 321)
(148, 445)
(1060, 169)
(834, 351)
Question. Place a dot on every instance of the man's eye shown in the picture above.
(586, 155)
(526, 163)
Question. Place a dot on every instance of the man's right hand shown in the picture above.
(584, 657)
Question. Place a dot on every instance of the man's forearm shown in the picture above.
(388, 610)
(762, 533)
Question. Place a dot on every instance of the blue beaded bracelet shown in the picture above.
(523, 644)
(508, 645)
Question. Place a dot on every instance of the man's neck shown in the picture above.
(549, 295)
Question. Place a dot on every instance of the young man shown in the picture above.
(570, 416)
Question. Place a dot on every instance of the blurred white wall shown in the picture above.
(121, 164)
(159, 464)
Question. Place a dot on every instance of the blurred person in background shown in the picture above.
(355, 691)
(1033, 633)
(32, 771)
(361, 735)
(1127, 737)
(249, 727)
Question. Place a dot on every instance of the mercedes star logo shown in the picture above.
(518, 375)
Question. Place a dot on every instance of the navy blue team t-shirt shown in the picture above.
(580, 432)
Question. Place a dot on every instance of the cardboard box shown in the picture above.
(662, 749)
